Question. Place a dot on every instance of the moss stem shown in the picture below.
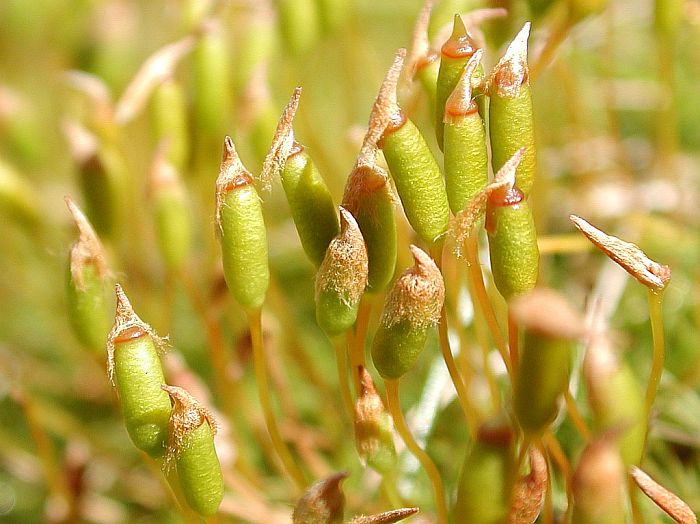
(557, 454)
(513, 345)
(357, 341)
(392, 394)
(655, 299)
(576, 416)
(462, 393)
(261, 379)
(341, 362)
(482, 299)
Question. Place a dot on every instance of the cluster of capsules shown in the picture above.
(483, 125)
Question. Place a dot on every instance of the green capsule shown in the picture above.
(86, 288)
(299, 25)
(512, 242)
(243, 236)
(551, 328)
(466, 159)
(333, 14)
(511, 122)
(255, 48)
(488, 469)
(615, 398)
(212, 82)
(454, 55)
(341, 278)
(102, 177)
(171, 214)
(412, 308)
(417, 177)
(599, 486)
(169, 121)
(17, 196)
(424, 62)
(310, 203)
(368, 197)
(134, 365)
(374, 427)
(191, 448)
(427, 71)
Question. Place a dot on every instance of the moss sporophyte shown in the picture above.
(191, 451)
(133, 361)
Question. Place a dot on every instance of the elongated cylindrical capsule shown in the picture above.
(417, 177)
(599, 486)
(242, 227)
(87, 285)
(489, 467)
(102, 177)
(551, 328)
(171, 212)
(512, 236)
(169, 117)
(333, 14)
(299, 24)
(135, 367)
(415, 172)
(310, 203)
(17, 197)
(615, 398)
(341, 278)
(191, 449)
(466, 159)
(412, 308)
(374, 427)
(369, 198)
(212, 97)
(511, 122)
(454, 55)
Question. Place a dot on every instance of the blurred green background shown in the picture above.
(619, 142)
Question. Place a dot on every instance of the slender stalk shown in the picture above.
(480, 332)
(357, 341)
(513, 345)
(341, 362)
(557, 36)
(482, 298)
(391, 494)
(655, 299)
(557, 454)
(562, 244)
(55, 481)
(576, 416)
(462, 394)
(261, 379)
(392, 394)
(217, 346)
(635, 509)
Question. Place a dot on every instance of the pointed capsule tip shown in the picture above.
(458, 27)
(460, 101)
